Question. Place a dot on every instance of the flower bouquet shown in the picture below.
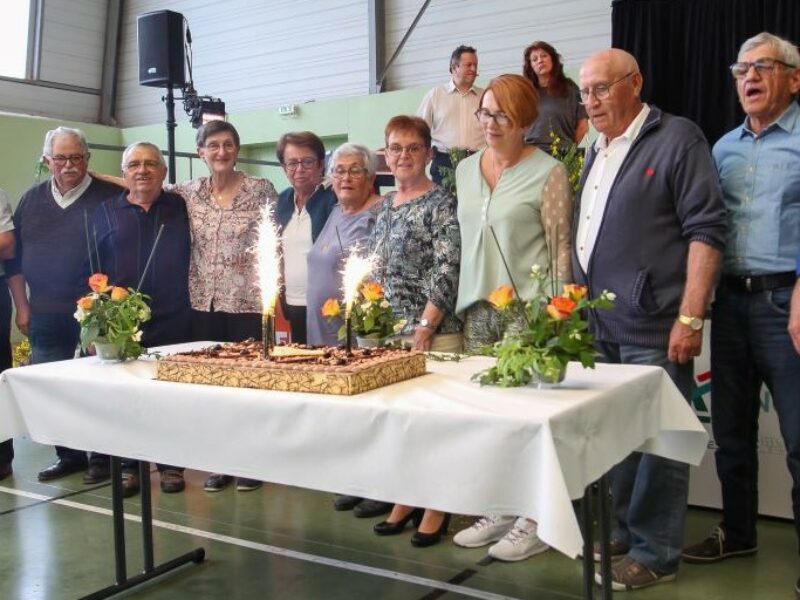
(112, 315)
(552, 333)
(572, 156)
(372, 316)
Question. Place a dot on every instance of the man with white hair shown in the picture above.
(50, 227)
(650, 227)
(127, 228)
(758, 164)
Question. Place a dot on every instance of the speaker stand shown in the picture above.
(169, 99)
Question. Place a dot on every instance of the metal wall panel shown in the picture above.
(255, 54)
(72, 53)
(500, 30)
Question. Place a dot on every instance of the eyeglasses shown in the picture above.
(484, 116)
(293, 165)
(215, 146)
(602, 90)
(412, 149)
(762, 66)
(354, 172)
(75, 159)
(147, 164)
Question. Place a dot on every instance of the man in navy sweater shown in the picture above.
(650, 227)
(50, 254)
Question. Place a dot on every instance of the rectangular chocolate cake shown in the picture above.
(293, 368)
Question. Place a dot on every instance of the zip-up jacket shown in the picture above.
(666, 195)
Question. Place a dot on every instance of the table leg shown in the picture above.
(119, 520)
(147, 515)
(605, 537)
(123, 582)
(587, 522)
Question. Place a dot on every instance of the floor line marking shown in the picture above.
(49, 499)
(277, 550)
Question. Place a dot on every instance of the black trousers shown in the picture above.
(220, 326)
(7, 446)
(296, 315)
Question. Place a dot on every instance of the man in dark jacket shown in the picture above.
(650, 227)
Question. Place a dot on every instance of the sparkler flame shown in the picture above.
(268, 261)
(355, 270)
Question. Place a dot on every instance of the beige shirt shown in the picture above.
(451, 117)
(606, 165)
(70, 196)
(222, 271)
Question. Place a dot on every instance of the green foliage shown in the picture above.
(553, 333)
(573, 158)
(449, 173)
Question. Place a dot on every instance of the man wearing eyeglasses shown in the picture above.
(51, 249)
(448, 109)
(650, 227)
(759, 170)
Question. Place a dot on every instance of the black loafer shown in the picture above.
(97, 473)
(217, 482)
(5, 470)
(61, 468)
(371, 508)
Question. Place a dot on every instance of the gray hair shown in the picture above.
(367, 156)
(787, 51)
(50, 138)
(134, 145)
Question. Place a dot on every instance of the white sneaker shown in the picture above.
(484, 531)
(519, 543)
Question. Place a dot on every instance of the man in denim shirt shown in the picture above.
(759, 170)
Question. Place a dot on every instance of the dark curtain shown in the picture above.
(684, 48)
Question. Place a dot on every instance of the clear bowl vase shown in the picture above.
(370, 342)
(108, 351)
(549, 377)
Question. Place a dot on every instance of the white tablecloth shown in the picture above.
(439, 441)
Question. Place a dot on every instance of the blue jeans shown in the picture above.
(751, 347)
(649, 493)
(54, 337)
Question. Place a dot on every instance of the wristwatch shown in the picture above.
(693, 323)
(426, 323)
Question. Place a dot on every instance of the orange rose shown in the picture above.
(85, 303)
(118, 294)
(98, 282)
(331, 308)
(575, 292)
(502, 297)
(372, 291)
(561, 308)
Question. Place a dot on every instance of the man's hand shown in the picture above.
(23, 319)
(684, 343)
(794, 317)
(423, 338)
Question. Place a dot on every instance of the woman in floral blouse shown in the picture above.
(224, 212)
(418, 246)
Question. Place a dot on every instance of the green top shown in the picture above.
(530, 205)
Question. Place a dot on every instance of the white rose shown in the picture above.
(137, 335)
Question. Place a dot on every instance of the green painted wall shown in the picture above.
(22, 138)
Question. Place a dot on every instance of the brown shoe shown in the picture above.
(616, 548)
(130, 484)
(628, 574)
(172, 481)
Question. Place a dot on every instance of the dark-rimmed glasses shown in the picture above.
(75, 159)
(484, 116)
(306, 163)
(412, 149)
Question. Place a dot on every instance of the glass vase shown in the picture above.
(108, 351)
(551, 377)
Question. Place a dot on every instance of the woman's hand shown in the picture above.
(423, 338)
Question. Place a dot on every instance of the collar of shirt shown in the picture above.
(122, 201)
(629, 134)
(66, 199)
(787, 121)
(451, 88)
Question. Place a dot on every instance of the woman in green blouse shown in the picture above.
(514, 203)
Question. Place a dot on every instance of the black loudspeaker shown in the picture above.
(161, 57)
